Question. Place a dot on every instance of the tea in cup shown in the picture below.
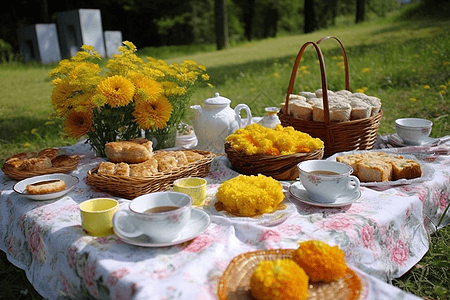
(325, 181)
(193, 186)
(161, 216)
(97, 214)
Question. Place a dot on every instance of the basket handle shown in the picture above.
(347, 80)
(323, 76)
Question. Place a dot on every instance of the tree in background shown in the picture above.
(221, 24)
(310, 16)
(360, 11)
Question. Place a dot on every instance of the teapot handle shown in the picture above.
(237, 111)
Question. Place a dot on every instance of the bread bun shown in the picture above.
(133, 151)
(45, 187)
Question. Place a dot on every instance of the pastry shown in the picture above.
(127, 151)
(106, 168)
(48, 152)
(192, 156)
(381, 166)
(122, 169)
(300, 109)
(360, 109)
(45, 187)
(34, 164)
(166, 161)
(64, 160)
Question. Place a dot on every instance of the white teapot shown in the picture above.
(215, 121)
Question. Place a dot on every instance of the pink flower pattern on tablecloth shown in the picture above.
(34, 241)
(116, 275)
(199, 243)
(399, 252)
(89, 275)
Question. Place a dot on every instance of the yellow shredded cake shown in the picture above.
(321, 261)
(250, 195)
(257, 139)
(280, 279)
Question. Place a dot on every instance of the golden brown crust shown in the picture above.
(106, 168)
(192, 156)
(64, 160)
(381, 166)
(48, 152)
(33, 164)
(127, 151)
(51, 186)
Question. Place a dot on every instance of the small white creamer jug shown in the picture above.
(215, 121)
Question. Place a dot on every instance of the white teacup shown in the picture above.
(161, 216)
(325, 181)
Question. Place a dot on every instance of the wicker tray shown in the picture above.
(235, 281)
(280, 167)
(19, 175)
(337, 136)
(131, 187)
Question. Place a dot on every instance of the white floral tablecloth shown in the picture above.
(383, 235)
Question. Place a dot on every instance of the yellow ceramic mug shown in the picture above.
(192, 186)
(96, 215)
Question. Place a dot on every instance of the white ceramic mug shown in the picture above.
(162, 226)
(325, 181)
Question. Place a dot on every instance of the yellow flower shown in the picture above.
(281, 279)
(34, 131)
(320, 261)
(117, 89)
(443, 92)
(412, 99)
(257, 139)
(275, 75)
(147, 89)
(416, 55)
(365, 70)
(360, 91)
(210, 85)
(26, 144)
(446, 63)
(153, 115)
(443, 87)
(427, 87)
(77, 123)
(250, 195)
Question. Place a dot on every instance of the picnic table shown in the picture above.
(384, 233)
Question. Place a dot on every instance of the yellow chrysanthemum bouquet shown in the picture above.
(132, 96)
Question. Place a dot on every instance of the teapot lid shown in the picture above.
(217, 99)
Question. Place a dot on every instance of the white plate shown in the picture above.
(69, 180)
(299, 193)
(198, 223)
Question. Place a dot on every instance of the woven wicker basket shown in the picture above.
(337, 136)
(131, 187)
(235, 281)
(280, 167)
(19, 175)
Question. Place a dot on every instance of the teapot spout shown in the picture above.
(196, 108)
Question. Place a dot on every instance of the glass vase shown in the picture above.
(162, 139)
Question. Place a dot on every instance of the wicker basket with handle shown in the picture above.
(358, 134)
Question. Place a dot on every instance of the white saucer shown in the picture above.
(299, 193)
(198, 223)
(395, 140)
(69, 180)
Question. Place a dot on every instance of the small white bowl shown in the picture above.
(413, 131)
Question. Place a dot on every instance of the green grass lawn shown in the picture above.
(404, 63)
